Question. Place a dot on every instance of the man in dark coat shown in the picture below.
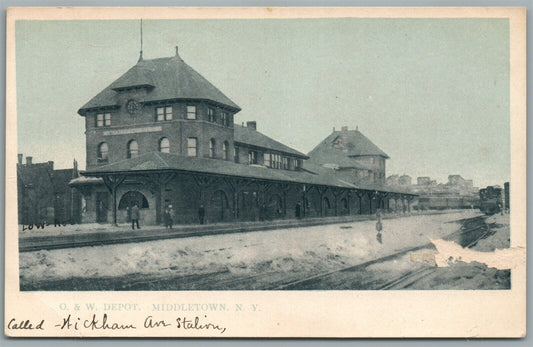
(135, 217)
(298, 211)
(201, 214)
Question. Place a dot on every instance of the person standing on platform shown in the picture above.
(135, 217)
(169, 212)
(201, 214)
(379, 226)
(298, 212)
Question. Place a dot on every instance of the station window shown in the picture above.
(191, 112)
(103, 152)
(211, 115)
(276, 161)
(225, 149)
(252, 157)
(192, 147)
(224, 119)
(285, 163)
(212, 148)
(164, 145)
(133, 149)
(103, 119)
(163, 113)
(267, 159)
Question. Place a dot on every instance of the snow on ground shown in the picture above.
(475, 275)
(316, 249)
(500, 239)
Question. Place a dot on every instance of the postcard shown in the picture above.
(266, 172)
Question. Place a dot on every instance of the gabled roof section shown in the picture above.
(164, 79)
(251, 137)
(330, 156)
(157, 162)
(350, 143)
(154, 162)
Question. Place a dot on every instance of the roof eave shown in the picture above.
(300, 156)
(83, 111)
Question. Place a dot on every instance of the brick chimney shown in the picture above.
(28, 160)
(75, 169)
(252, 125)
(344, 138)
(20, 158)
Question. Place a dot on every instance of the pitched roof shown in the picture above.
(350, 143)
(164, 79)
(251, 137)
(325, 155)
(157, 161)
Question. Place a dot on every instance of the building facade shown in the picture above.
(44, 195)
(162, 135)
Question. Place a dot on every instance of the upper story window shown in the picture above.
(212, 148)
(192, 146)
(299, 164)
(224, 118)
(275, 161)
(268, 160)
(164, 145)
(211, 115)
(103, 119)
(103, 153)
(191, 112)
(236, 154)
(252, 157)
(133, 149)
(163, 113)
(225, 149)
(286, 163)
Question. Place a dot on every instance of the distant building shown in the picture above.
(353, 151)
(456, 180)
(393, 181)
(456, 193)
(44, 195)
(405, 180)
(423, 181)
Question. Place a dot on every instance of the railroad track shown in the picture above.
(471, 231)
(408, 279)
(468, 235)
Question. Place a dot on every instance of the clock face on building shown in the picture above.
(132, 106)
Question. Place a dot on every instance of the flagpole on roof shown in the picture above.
(141, 52)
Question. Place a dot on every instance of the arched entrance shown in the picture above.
(344, 206)
(131, 198)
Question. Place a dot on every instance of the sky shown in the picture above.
(432, 93)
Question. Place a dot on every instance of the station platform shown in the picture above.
(69, 237)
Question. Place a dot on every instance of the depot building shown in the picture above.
(162, 135)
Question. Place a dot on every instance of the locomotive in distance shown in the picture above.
(494, 199)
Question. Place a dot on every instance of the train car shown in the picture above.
(490, 200)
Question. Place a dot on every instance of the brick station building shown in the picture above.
(161, 135)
